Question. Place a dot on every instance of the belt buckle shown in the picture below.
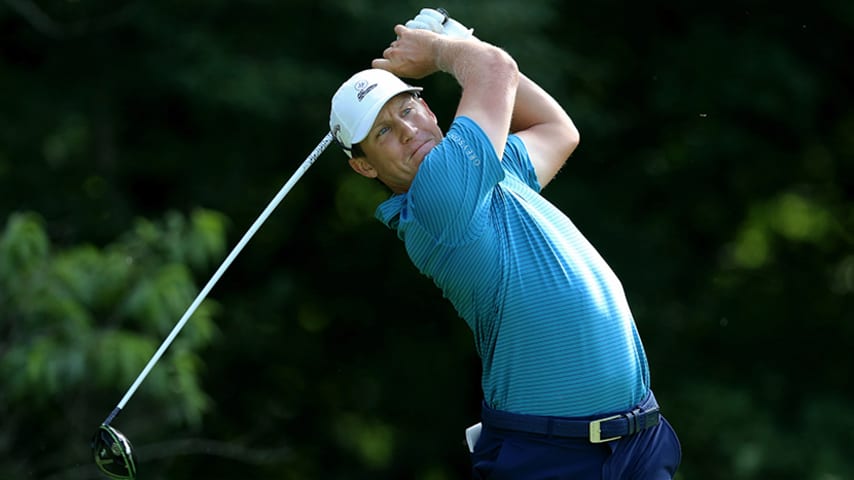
(596, 430)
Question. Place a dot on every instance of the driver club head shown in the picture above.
(113, 453)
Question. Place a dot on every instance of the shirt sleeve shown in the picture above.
(451, 192)
(517, 162)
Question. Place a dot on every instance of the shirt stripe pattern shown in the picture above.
(549, 317)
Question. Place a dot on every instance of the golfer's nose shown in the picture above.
(407, 131)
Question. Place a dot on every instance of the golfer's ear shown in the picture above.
(362, 167)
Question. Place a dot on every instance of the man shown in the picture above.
(565, 377)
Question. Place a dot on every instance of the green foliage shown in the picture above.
(23, 246)
(713, 175)
(370, 440)
(790, 217)
(750, 442)
(82, 320)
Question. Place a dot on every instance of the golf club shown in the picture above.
(112, 451)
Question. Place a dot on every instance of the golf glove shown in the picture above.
(438, 21)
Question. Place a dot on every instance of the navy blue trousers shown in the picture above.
(651, 454)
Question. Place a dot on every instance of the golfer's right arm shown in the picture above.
(488, 75)
(549, 134)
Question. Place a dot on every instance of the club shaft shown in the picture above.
(312, 157)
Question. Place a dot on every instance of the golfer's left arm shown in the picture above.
(549, 134)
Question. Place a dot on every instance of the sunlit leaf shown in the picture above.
(799, 219)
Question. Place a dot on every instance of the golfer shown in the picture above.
(564, 375)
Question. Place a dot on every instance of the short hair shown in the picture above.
(356, 151)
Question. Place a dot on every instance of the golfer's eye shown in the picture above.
(382, 131)
(406, 111)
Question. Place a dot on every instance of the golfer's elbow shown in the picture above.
(477, 63)
(499, 66)
(571, 137)
(505, 61)
(565, 137)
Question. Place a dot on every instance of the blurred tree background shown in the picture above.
(140, 139)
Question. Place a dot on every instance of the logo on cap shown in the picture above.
(363, 89)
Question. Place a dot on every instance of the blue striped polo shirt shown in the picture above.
(550, 319)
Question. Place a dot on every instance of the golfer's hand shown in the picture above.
(412, 55)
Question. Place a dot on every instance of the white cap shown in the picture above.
(357, 103)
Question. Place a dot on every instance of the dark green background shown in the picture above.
(140, 139)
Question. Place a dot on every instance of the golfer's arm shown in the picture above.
(489, 78)
(549, 134)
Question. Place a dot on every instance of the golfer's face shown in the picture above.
(403, 134)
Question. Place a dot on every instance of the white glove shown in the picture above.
(439, 22)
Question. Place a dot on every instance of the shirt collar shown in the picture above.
(389, 211)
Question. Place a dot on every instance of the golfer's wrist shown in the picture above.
(440, 55)
(450, 54)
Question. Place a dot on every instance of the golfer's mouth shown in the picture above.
(422, 150)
